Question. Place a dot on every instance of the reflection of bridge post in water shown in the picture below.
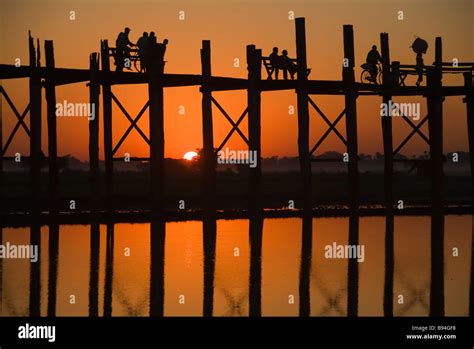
(94, 270)
(353, 268)
(305, 267)
(437, 265)
(209, 245)
(53, 267)
(389, 266)
(255, 283)
(1, 272)
(471, 292)
(109, 269)
(157, 267)
(35, 273)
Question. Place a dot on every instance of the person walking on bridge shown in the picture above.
(122, 50)
(420, 66)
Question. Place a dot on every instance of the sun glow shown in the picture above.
(190, 155)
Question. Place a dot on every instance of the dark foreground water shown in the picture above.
(419, 265)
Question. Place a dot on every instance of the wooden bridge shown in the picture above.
(99, 76)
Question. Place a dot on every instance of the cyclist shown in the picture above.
(373, 58)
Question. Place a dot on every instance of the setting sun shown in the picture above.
(190, 155)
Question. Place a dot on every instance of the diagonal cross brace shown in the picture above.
(332, 126)
(19, 123)
(130, 127)
(235, 125)
(409, 122)
(410, 135)
(15, 129)
(416, 129)
(15, 111)
(133, 123)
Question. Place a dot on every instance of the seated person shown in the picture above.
(275, 62)
(288, 65)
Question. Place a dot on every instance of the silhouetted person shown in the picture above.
(122, 52)
(275, 61)
(373, 58)
(161, 52)
(419, 68)
(152, 38)
(143, 44)
(288, 65)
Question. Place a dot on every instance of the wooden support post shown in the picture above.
(52, 132)
(395, 73)
(435, 127)
(438, 54)
(254, 58)
(208, 156)
(157, 133)
(1, 152)
(94, 92)
(469, 100)
(350, 93)
(387, 124)
(35, 125)
(107, 101)
(303, 113)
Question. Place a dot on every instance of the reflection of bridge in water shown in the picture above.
(331, 301)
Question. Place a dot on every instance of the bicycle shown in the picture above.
(365, 76)
(133, 60)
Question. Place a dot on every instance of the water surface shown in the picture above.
(269, 267)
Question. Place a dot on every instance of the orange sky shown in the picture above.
(231, 25)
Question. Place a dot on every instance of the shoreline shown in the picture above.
(23, 219)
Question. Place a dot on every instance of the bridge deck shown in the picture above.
(64, 76)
